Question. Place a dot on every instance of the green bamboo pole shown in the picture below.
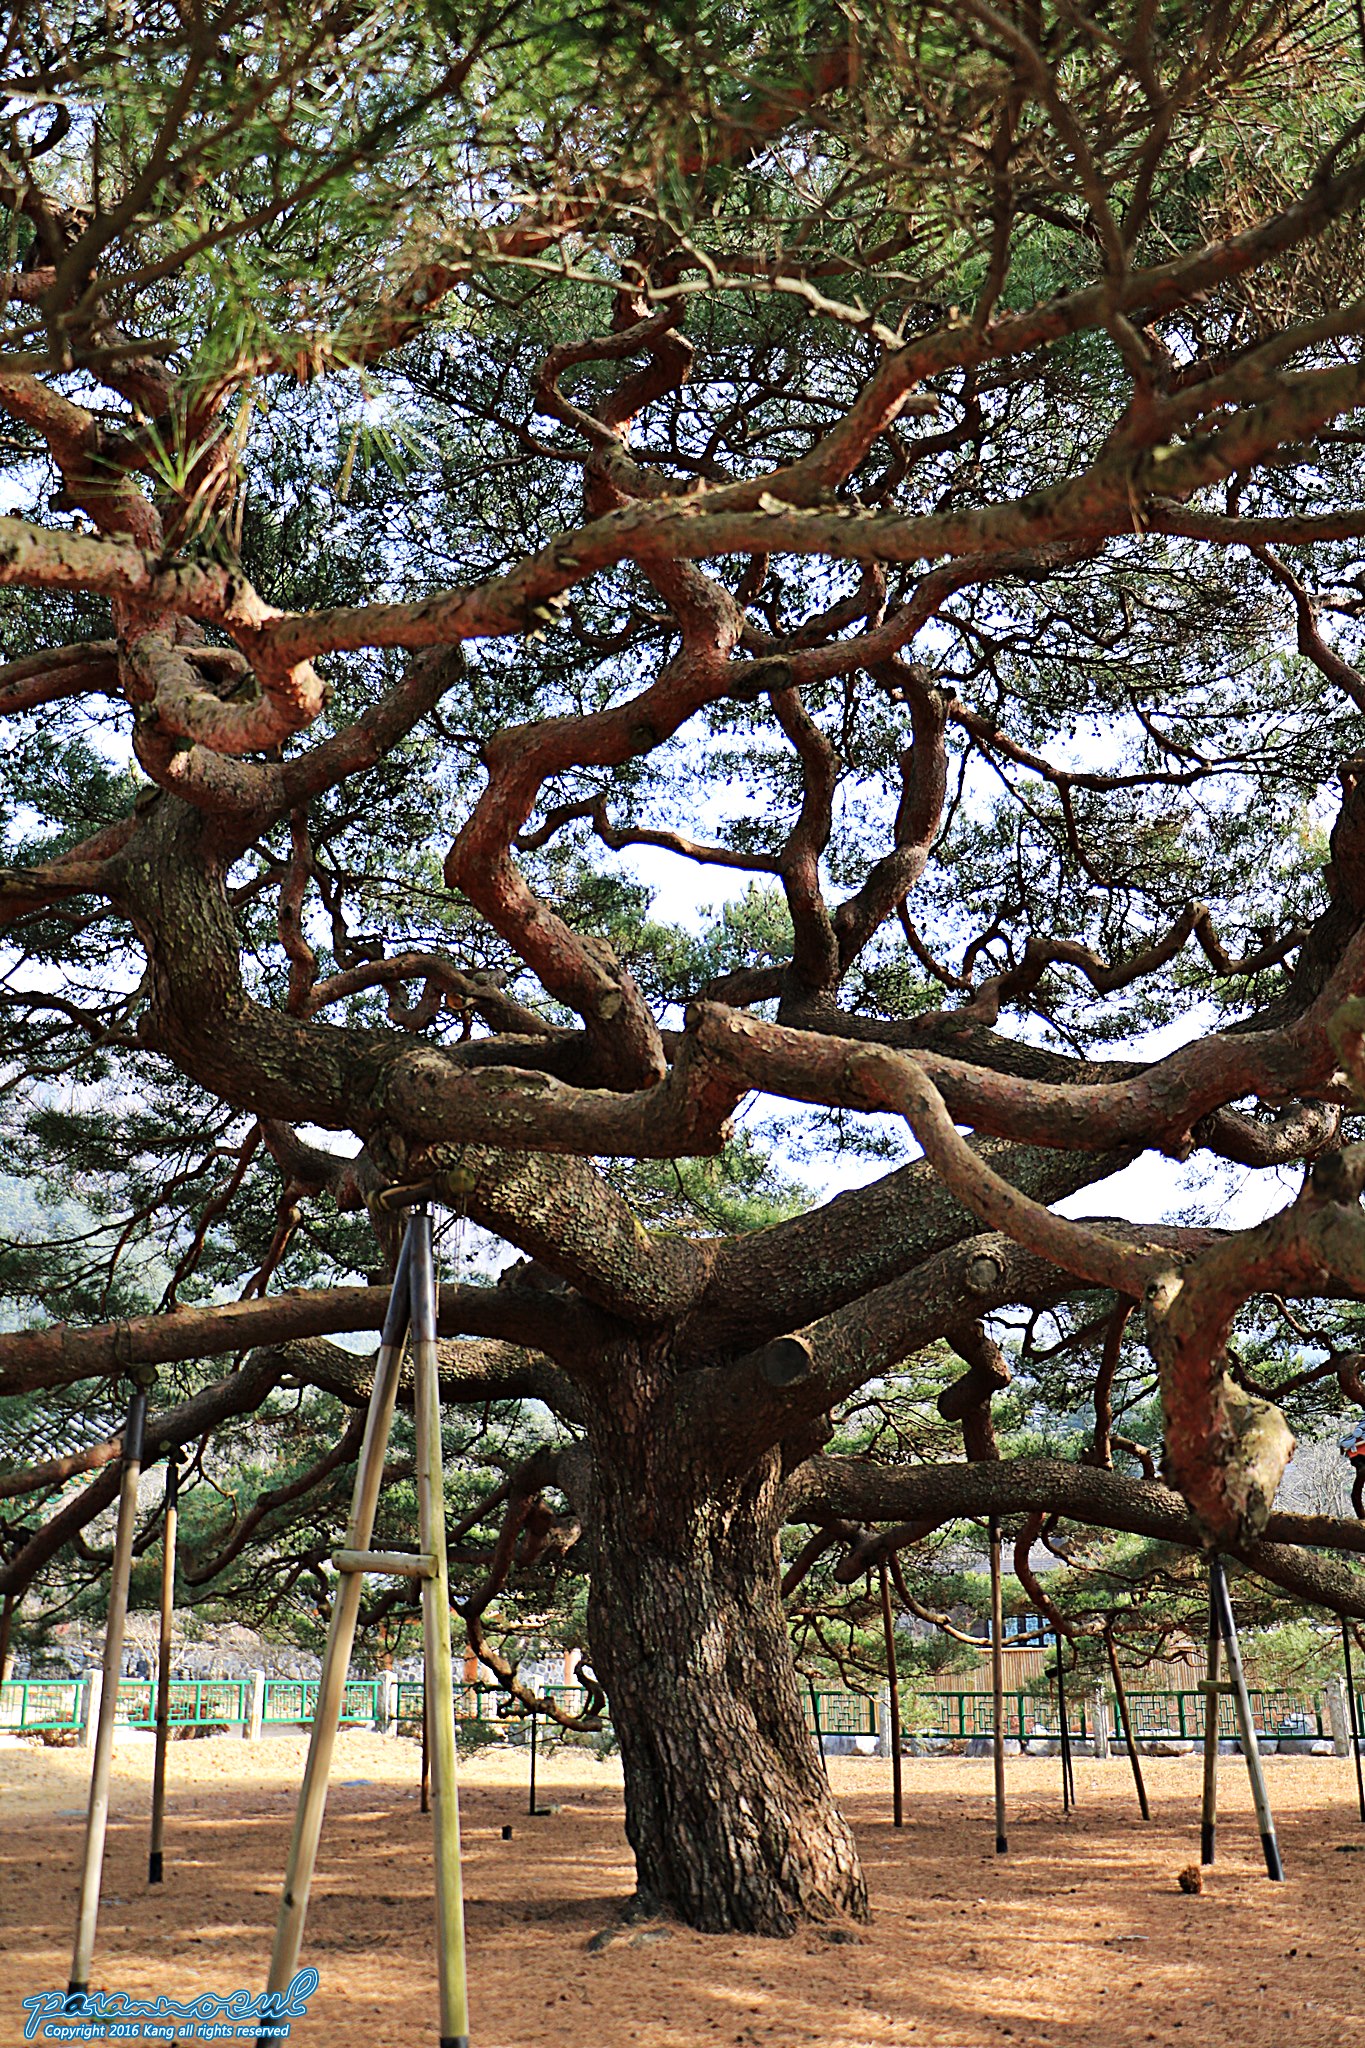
(998, 1687)
(97, 1815)
(450, 1941)
(1255, 1768)
(893, 1681)
(163, 1671)
(303, 1848)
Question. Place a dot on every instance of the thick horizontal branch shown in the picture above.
(783, 1386)
(89, 668)
(84, 869)
(774, 1280)
(239, 1393)
(1159, 1105)
(866, 1492)
(61, 1354)
(490, 1370)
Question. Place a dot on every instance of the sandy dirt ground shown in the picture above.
(1079, 1938)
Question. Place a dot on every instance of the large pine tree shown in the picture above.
(897, 468)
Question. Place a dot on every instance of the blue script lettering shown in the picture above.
(291, 2003)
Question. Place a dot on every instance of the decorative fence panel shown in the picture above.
(193, 1703)
(1178, 1715)
(1273, 1714)
(489, 1703)
(842, 1713)
(293, 1702)
(963, 1716)
(41, 1704)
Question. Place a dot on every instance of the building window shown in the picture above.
(1027, 1631)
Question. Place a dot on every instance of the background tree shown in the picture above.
(900, 465)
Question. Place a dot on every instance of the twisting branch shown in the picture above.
(522, 1495)
(239, 1394)
(1101, 1452)
(1310, 641)
(233, 1541)
(930, 1495)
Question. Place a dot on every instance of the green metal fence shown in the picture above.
(194, 1702)
(40, 1705)
(1182, 1714)
(293, 1702)
(842, 1713)
(37, 1705)
(961, 1716)
(488, 1702)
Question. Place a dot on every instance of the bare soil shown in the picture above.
(1080, 1936)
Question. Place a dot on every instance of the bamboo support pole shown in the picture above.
(450, 1940)
(998, 1687)
(155, 1864)
(1121, 1701)
(424, 1788)
(1208, 1819)
(393, 1564)
(1255, 1768)
(1353, 1713)
(893, 1682)
(369, 1478)
(97, 1816)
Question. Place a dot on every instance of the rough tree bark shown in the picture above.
(727, 1807)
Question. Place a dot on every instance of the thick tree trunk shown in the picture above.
(727, 1807)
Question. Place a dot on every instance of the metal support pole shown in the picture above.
(815, 1717)
(97, 1817)
(1255, 1769)
(1121, 1702)
(531, 1801)
(439, 1662)
(894, 1688)
(303, 1848)
(1353, 1710)
(998, 1687)
(163, 1671)
(1208, 1820)
(8, 1609)
(1068, 1778)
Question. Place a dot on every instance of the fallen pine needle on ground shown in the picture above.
(1079, 1938)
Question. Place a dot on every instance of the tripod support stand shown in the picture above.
(412, 1310)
